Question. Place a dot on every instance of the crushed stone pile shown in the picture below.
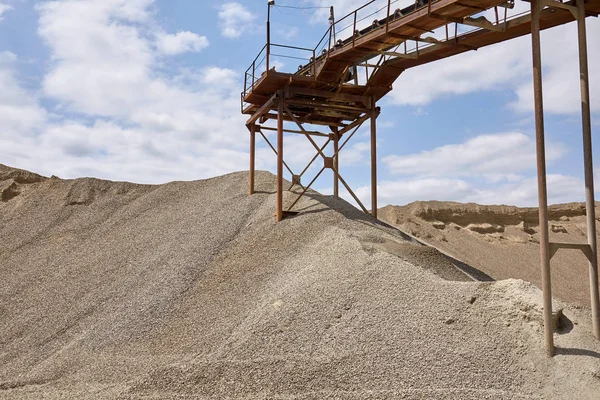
(503, 241)
(190, 290)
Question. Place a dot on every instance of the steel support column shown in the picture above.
(336, 164)
(374, 114)
(280, 158)
(589, 169)
(536, 8)
(252, 156)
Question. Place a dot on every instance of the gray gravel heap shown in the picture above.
(191, 290)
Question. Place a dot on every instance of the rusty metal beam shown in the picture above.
(588, 167)
(556, 4)
(313, 133)
(302, 128)
(354, 196)
(536, 8)
(279, 209)
(336, 165)
(275, 151)
(585, 249)
(326, 106)
(263, 109)
(354, 124)
(470, 6)
(305, 189)
(412, 56)
(481, 22)
(313, 159)
(335, 96)
(374, 115)
(312, 122)
(252, 156)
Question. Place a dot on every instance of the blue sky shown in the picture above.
(148, 91)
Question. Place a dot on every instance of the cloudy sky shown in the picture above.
(149, 91)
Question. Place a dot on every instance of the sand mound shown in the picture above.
(11, 181)
(502, 241)
(191, 290)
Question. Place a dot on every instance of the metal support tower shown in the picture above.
(328, 91)
(291, 105)
(548, 249)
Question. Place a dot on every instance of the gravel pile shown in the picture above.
(191, 290)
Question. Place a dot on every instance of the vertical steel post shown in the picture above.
(354, 31)
(387, 21)
(588, 165)
(332, 19)
(374, 113)
(336, 164)
(536, 8)
(268, 35)
(280, 158)
(329, 45)
(252, 156)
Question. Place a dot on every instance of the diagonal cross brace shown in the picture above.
(275, 151)
(320, 152)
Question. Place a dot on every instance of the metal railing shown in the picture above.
(268, 60)
(383, 13)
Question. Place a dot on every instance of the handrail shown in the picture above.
(256, 68)
(322, 42)
(259, 53)
(290, 47)
(328, 31)
(355, 11)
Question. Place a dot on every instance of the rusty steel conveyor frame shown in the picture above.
(326, 92)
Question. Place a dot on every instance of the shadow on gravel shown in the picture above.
(346, 209)
(471, 271)
(353, 213)
(565, 325)
(569, 351)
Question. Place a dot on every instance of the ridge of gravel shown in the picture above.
(191, 290)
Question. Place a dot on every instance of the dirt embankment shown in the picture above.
(191, 290)
(502, 241)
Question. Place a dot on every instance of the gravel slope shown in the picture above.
(191, 290)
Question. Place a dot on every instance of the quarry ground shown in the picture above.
(503, 241)
(191, 290)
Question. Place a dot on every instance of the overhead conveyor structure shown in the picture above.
(361, 55)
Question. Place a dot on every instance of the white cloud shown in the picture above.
(487, 69)
(561, 189)
(508, 66)
(219, 77)
(487, 169)
(19, 110)
(108, 69)
(497, 157)
(101, 60)
(4, 8)
(235, 20)
(119, 116)
(560, 58)
(181, 42)
(405, 191)
(288, 33)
